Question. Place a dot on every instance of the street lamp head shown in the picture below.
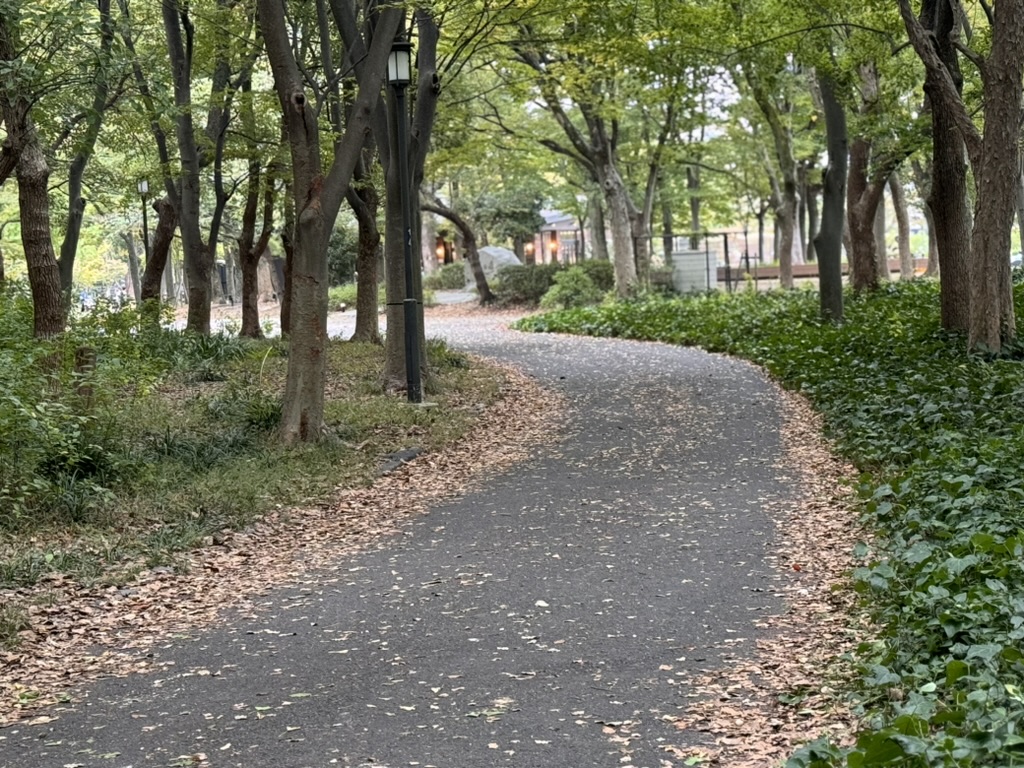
(400, 63)
(143, 187)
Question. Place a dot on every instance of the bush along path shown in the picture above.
(569, 610)
(938, 438)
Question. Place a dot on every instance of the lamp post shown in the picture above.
(399, 77)
(143, 188)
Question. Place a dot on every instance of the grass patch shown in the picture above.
(13, 619)
(171, 438)
(939, 437)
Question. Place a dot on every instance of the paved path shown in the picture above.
(547, 619)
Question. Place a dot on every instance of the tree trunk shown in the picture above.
(881, 251)
(1020, 208)
(428, 246)
(159, 256)
(288, 246)
(133, 267)
(251, 248)
(641, 236)
(84, 150)
(667, 223)
(829, 240)
(782, 137)
(787, 235)
(598, 229)
(993, 322)
(899, 204)
(693, 195)
(801, 213)
(761, 213)
(619, 211)
(862, 203)
(469, 241)
(34, 207)
(932, 270)
(813, 219)
(951, 217)
(197, 255)
(364, 200)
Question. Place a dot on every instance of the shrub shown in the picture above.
(526, 284)
(601, 272)
(342, 249)
(344, 296)
(450, 277)
(573, 288)
(443, 357)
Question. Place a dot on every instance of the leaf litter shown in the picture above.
(78, 633)
(756, 711)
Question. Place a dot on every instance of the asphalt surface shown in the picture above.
(550, 617)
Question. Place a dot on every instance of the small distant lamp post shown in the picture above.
(399, 77)
(143, 188)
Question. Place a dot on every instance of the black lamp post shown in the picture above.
(143, 188)
(399, 77)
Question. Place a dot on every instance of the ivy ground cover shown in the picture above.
(938, 435)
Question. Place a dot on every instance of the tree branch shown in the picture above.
(947, 91)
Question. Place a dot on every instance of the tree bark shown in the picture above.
(318, 198)
(801, 212)
(133, 267)
(932, 270)
(993, 322)
(993, 154)
(881, 249)
(899, 204)
(621, 215)
(598, 230)
(692, 191)
(197, 255)
(250, 246)
(159, 254)
(469, 242)
(85, 147)
(863, 195)
(667, 221)
(364, 200)
(287, 245)
(947, 198)
(34, 206)
(23, 154)
(813, 219)
(828, 242)
(782, 137)
(923, 184)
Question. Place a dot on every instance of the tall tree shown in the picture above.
(317, 198)
(24, 155)
(828, 243)
(180, 33)
(994, 157)
(103, 73)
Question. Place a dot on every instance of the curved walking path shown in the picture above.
(550, 617)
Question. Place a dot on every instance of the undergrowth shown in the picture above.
(939, 437)
(155, 440)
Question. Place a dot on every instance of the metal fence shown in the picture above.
(729, 257)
